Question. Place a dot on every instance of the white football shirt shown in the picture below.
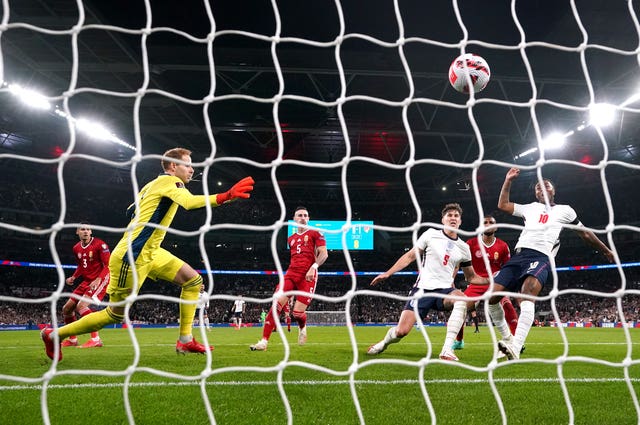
(542, 225)
(238, 306)
(441, 258)
(201, 302)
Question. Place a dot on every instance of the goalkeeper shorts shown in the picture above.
(126, 279)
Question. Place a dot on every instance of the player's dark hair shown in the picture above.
(544, 179)
(300, 207)
(176, 153)
(453, 206)
(489, 216)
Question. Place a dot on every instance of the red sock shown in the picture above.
(270, 323)
(85, 312)
(510, 314)
(301, 318)
(70, 319)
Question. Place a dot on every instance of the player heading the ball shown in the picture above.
(158, 203)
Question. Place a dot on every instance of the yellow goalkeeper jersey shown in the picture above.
(159, 201)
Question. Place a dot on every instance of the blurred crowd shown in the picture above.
(584, 296)
(26, 293)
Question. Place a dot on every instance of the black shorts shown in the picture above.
(527, 262)
(427, 302)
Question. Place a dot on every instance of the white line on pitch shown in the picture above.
(335, 382)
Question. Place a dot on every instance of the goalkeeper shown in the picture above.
(158, 204)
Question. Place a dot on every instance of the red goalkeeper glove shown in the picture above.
(238, 190)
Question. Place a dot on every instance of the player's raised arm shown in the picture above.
(182, 172)
(504, 204)
(592, 240)
(406, 259)
(181, 195)
(238, 190)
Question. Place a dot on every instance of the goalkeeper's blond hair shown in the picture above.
(176, 153)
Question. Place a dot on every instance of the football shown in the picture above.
(473, 66)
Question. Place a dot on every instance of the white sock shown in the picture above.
(527, 313)
(497, 317)
(390, 337)
(185, 338)
(206, 321)
(239, 322)
(456, 320)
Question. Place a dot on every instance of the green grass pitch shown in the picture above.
(321, 378)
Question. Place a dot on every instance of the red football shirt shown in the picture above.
(498, 254)
(92, 259)
(303, 249)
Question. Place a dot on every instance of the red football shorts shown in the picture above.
(476, 291)
(84, 290)
(294, 281)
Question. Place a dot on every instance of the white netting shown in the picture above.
(418, 89)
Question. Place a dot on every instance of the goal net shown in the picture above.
(346, 108)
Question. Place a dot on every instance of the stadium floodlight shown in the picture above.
(98, 131)
(30, 97)
(601, 114)
(93, 129)
(525, 153)
(632, 99)
(553, 141)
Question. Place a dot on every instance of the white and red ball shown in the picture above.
(476, 68)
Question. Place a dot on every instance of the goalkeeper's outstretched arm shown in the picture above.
(189, 201)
